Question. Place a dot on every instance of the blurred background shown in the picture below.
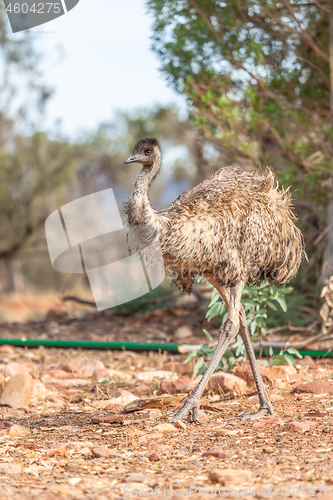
(245, 83)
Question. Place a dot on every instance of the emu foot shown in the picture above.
(191, 406)
(266, 410)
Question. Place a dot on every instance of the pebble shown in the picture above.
(18, 430)
(298, 426)
(315, 387)
(59, 449)
(110, 419)
(244, 371)
(102, 452)
(17, 391)
(137, 478)
(281, 371)
(160, 447)
(203, 417)
(85, 367)
(174, 386)
(154, 457)
(268, 422)
(11, 468)
(164, 428)
(59, 374)
(226, 382)
(217, 454)
(232, 477)
(14, 368)
(157, 374)
(39, 391)
(2, 382)
(183, 332)
(315, 414)
(7, 349)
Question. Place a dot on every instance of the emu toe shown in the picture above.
(191, 406)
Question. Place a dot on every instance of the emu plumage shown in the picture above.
(234, 228)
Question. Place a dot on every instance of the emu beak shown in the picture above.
(132, 159)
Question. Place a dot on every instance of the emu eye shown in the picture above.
(148, 152)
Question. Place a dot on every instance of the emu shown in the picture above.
(234, 228)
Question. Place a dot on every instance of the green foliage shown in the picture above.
(256, 302)
(257, 77)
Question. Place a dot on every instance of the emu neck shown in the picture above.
(140, 209)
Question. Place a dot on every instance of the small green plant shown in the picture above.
(256, 301)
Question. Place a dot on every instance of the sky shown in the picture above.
(98, 59)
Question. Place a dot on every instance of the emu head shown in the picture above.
(145, 151)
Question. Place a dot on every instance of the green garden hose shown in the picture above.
(137, 346)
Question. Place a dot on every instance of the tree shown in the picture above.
(258, 76)
(33, 167)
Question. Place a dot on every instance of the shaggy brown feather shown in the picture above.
(235, 226)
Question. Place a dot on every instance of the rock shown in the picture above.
(59, 449)
(7, 349)
(225, 382)
(203, 417)
(11, 468)
(216, 454)
(154, 457)
(17, 391)
(164, 448)
(39, 391)
(2, 382)
(110, 419)
(123, 397)
(281, 372)
(18, 430)
(298, 379)
(315, 387)
(183, 332)
(244, 371)
(174, 386)
(315, 414)
(60, 366)
(268, 422)
(232, 477)
(308, 362)
(71, 382)
(103, 451)
(142, 389)
(54, 398)
(57, 314)
(101, 373)
(14, 368)
(137, 478)
(85, 367)
(157, 374)
(298, 426)
(58, 374)
(164, 428)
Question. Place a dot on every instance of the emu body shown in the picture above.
(234, 228)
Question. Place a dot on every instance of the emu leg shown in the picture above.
(266, 407)
(228, 332)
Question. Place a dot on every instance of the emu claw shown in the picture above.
(189, 408)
